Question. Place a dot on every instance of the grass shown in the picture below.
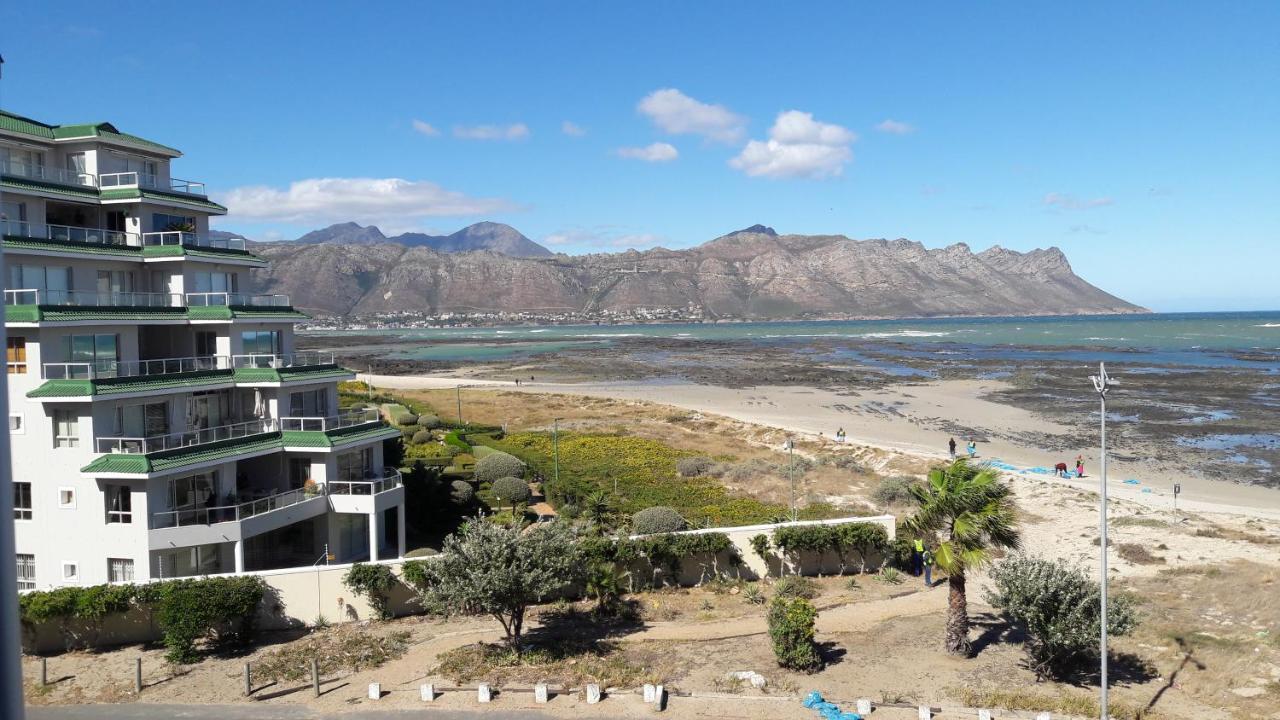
(566, 663)
(1138, 521)
(1138, 554)
(344, 649)
(1060, 704)
(1224, 533)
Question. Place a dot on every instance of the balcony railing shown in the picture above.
(227, 299)
(190, 239)
(152, 182)
(44, 173)
(87, 298)
(349, 418)
(133, 368)
(302, 359)
(68, 233)
(232, 513)
(390, 480)
(190, 438)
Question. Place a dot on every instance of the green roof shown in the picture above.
(11, 183)
(106, 131)
(18, 242)
(67, 313)
(224, 312)
(184, 198)
(273, 375)
(171, 459)
(196, 251)
(119, 386)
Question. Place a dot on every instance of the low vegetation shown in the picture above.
(372, 582)
(791, 630)
(337, 650)
(658, 519)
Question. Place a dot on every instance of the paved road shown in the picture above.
(147, 711)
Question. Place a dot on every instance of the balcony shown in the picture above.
(235, 299)
(147, 181)
(346, 419)
(86, 298)
(44, 173)
(390, 480)
(190, 438)
(69, 234)
(280, 362)
(116, 369)
(190, 239)
(232, 513)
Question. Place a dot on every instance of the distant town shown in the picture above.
(400, 320)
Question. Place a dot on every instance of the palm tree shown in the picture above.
(597, 508)
(972, 513)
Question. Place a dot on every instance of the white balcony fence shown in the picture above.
(88, 298)
(44, 173)
(68, 233)
(390, 480)
(133, 368)
(148, 181)
(301, 359)
(227, 299)
(349, 418)
(190, 438)
(189, 239)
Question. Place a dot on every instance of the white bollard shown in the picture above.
(924, 713)
(375, 691)
(864, 706)
(540, 693)
(659, 698)
(1044, 716)
(428, 692)
(648, 693)
(483, 693)
(984, 715)
(593, 694)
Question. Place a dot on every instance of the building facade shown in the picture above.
(161, 422)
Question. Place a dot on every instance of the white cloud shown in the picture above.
(1063, 201)
(798, 147)
(657, 152)
(894, 127)
(516, 131)
(425, 128)
(381, 201)
(572, 129)
(679, 114)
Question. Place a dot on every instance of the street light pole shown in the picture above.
(1102, 383)
(458, 391)
(791, 470)
(555, 451)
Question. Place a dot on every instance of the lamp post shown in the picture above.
(555, 451)
(791, 470)
(458, 392)
(1102, 383)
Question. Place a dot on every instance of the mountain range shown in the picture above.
(753, 273)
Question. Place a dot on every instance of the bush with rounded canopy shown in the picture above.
(461, 493)
(430, 422)
(405, 419)
(498, 465)
(422, 436)
(657, 519)
(510, 490)
(693, 466)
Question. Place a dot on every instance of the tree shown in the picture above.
(1060, 608)
(604, 584)
(487, 569)
(512, 490)
(498, 465)
(597, 508)
(866, 538)
(657, 519)
(791, 622)
(972, 512)
(461, 493)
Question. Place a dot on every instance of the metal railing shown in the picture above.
(88, 298)
(349, 418)
(44, 173)
(189, 438)
(233, 513)
(227, 299)
(390, 480)
(133, 368)
(149, 181)
(68, 233)
(190, 239)
(301, 359)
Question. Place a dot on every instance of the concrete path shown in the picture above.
(145, 711)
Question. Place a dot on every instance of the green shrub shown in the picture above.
(694, 466)
(224, 609)
(491, 468)
(1060, 609)
(510, 490)
(658, 519)
(421, 436)
(791, 623)
(894, 491)
(430, 422)
(795, 586)
(404, 418)
(372, 582)
(461, 493)
(760, 545)
(454, 438)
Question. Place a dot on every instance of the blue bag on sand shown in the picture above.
(813, 698)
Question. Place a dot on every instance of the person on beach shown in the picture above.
(951, 447)
(1060, 470)
(917, 557)
(927, 560)
(1079, 466)
(972, 447)
(840, 435)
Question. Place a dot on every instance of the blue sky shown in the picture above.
(1141, 138)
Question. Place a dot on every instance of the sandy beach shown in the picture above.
(917, 420)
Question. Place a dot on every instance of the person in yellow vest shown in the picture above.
(917, 557)
(927, 559)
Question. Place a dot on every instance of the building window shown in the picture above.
(22, 501)
(261, 342)
(162, 222)
(119, 504)
(66, 429)
(66, 497)
(99, 352)
(70, 573)
(119, 570)
(309, 403)
(16, 355)
(26, 572)
(17, 424)
(353, 466)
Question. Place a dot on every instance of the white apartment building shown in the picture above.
(161, 422)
